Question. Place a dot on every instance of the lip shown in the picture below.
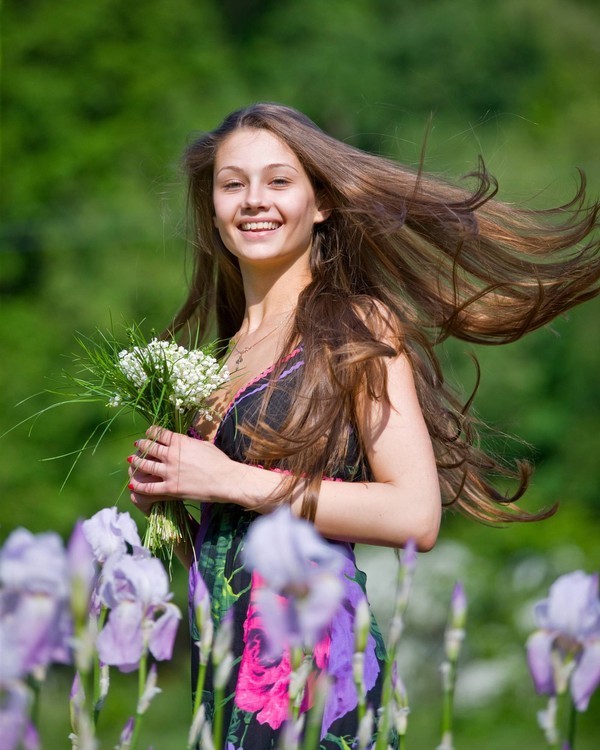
(253, 228)
(260, 232)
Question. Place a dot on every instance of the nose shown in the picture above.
(256, 197)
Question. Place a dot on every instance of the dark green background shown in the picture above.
(98, 101)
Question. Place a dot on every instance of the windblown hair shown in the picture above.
(403, 261)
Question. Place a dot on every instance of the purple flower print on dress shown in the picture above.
(136, 590)
(566, 649)
(343, 697)
(298, 565)
(108, 532)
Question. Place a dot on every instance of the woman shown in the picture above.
(332, 273)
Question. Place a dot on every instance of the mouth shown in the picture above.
(259, 226)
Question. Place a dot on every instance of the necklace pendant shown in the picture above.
(239, 360)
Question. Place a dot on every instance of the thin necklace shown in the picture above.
(241, 352)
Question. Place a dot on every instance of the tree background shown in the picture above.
(98, 100)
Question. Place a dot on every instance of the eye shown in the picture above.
(280, 182)
(232, 185)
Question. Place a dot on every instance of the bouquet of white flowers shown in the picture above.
(163, 382)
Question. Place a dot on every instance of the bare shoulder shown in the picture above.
(381, 321)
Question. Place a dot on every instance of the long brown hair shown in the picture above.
(409, 255)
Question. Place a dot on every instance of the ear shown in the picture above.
(322, 213)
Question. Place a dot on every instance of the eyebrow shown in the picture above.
(233, 168)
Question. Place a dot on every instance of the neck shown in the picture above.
(269, 296)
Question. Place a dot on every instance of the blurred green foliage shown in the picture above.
(98, 101)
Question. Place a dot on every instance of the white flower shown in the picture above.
(190, 376)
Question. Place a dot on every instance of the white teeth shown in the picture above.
(258, 225)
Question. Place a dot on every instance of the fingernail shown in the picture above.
(136, 443)
(130, 486)
(130, 459)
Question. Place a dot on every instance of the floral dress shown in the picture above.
(257, 692)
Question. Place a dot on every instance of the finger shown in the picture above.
(146, 488)
(151, 449)
(141, 476)
(152, 467)
(160, 434)
(142, 504)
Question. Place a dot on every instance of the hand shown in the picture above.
(144, 503)
(167, 463)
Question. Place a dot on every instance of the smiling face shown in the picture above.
(264, 203)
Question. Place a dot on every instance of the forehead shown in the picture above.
(250, 148)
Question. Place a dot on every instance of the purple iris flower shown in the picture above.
(566, 649)
(200, 606)
(136, 589)
(301, 573)
(409, 555)
(455, 631)
(35, 619)
(14, 710)
(199, 597)
(108, 532)
(34, 564)
(458, 606)
(82, 570)
(126, 734)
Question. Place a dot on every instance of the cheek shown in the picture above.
(221, 212)
(220, 221)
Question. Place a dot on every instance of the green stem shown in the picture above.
(294, 704)
(314, 719)
(572, 726)
(560, 711)
(383, 728)
(362, 707)
(218, 718)
(198, 695)
(36, 688)
(448, 701)
(88, 691)
(402, 742)
(358, 665)
(199, 688)
(96, 705)
(141, 686)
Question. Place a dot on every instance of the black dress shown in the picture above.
(257, 693)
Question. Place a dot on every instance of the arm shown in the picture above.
(403, 502)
